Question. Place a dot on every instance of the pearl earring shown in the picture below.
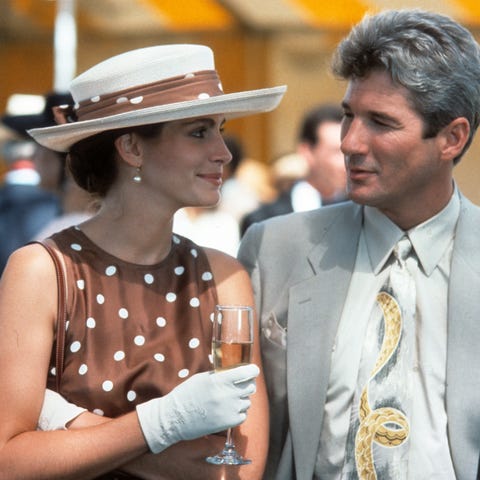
(137, 178)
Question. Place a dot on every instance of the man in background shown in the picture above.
(324, 181)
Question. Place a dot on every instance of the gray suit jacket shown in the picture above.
(301, 265)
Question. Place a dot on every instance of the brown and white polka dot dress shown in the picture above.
(134, 332)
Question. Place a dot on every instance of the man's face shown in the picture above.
(389, 164)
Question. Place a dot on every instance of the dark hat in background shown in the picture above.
(21, 123)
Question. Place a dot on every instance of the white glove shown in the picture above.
(57, 412)
(206, 403)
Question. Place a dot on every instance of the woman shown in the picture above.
(146, 136)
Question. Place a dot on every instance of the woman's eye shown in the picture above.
(199, 132)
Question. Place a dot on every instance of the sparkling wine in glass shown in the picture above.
(231, 346)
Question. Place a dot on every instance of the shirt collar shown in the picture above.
(430, 239)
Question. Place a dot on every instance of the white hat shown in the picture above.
(146, 86)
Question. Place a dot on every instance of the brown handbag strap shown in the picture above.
(61, 308)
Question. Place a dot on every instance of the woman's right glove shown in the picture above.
(206, 403)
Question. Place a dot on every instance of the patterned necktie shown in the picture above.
(378, 439)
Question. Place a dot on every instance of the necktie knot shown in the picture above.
(402, 249)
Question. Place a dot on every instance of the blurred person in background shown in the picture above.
(325, 180)
(25, 207)
(247, 184)
(286, 171)
(76, 205)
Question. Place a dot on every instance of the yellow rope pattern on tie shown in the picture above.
(374, 423)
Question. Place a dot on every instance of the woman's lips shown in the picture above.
(213, 178)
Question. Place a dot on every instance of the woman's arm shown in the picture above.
(27, 317)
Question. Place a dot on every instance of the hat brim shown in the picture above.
(233, 105)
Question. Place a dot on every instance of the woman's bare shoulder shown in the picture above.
(232, 280)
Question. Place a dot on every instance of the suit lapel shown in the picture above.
(315, 308)
(463, 358)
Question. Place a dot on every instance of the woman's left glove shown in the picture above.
(57, 412)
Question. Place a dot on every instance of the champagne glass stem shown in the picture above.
(231, 346)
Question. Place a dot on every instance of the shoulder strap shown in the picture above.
(61, 307)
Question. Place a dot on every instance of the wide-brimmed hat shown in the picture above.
(146, 86)
(20, 123)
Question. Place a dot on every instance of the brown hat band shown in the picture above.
(193, 86)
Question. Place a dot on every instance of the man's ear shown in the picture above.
(128, 149)
(453, 138)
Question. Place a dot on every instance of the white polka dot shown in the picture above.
(159, 357)
(75, 347)
(189, 75)
(110, 270)
(122, 100)
(95, 99)
(76, 247)
(194, 343)
(83, 369)
(98, 411)
(53, 371)
(107, 385)
(212, 317)
(175, 239)
(67, 324)
(91, 322)
(161, 322)
(194, 302)
(123, 313)
(207, 276)
(136, 100)
(170, 297)
(139, 340)
(100, 299)
(81, 284)
(194, 252)
(148, 278)
(131, 396)
(203, 96)
(220, 86)
(183, 373)
(119, 355)
(179, 270)
(210, 358)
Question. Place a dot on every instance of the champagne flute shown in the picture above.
(231, 346)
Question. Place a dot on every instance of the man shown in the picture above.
(411, 108)
(325, 178)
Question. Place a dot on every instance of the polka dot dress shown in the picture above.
(134, 332)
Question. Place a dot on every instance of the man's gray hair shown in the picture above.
(433, 57)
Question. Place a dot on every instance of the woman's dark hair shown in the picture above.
(93, 163)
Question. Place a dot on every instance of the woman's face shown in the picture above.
(183, 165)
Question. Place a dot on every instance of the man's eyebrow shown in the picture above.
(374, 114)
